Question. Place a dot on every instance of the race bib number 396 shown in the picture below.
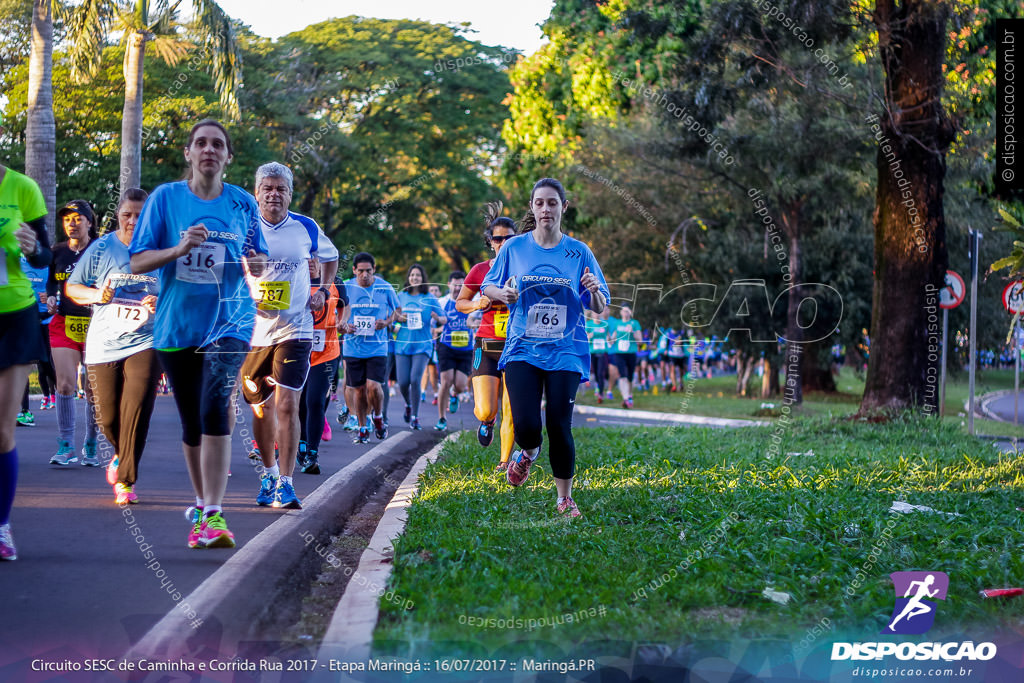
(546, 321)
(364, 324)
(202, 265)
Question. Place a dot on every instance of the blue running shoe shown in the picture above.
(89, 458)
(268, 484)
(441, 425)
(65, 454)
(485, 433)
(284, 496)
(453, 405)
(352, 424)
(362, 436)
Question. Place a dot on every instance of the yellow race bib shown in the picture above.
(501, 324)
(460, 339)
(275, 295)
(76, 327)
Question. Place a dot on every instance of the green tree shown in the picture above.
(141, 23)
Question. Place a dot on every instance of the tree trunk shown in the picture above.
(913, 133)
(745, 364)
(770, 381)
(131, 120)
(41, 131)
(817, 374)
(794, 334)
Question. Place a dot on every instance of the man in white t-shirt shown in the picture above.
(277, 366)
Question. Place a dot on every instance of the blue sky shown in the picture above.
(498, 23)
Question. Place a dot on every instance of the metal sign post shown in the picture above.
(974, 240)
(951, 296)
(1013, 302)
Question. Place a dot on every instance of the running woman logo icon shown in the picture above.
(914, 612)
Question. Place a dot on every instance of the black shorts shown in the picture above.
(21, 340)
(359, 370)
(450, 359)
(204, 381)
(626, 363)
(266, 367)
(486, 354)
(680, 361)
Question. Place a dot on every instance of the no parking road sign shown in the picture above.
(953, 292)
(1013, 297)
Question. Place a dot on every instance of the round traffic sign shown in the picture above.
(1013, 297)
(954, 291)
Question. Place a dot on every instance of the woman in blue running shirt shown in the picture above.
(199, 235)
(415, 342)
(546, 278)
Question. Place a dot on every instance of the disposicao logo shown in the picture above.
(914, 612)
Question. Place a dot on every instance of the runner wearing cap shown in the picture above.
(488, 385)
(372, 306)
(68, 329)
(22, 233)
(201, 235)
(122, 365)
(278, 364)
(546, 278)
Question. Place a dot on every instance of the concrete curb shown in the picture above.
(349, 636)
(241, 592)
(698, 420)
(983, 401)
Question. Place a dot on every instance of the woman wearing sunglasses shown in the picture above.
(490, 339)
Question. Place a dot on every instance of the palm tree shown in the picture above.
(41, 131)
(143, 23)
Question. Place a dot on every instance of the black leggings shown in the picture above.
(599, 368)
(47, 375)
(203, 381)
(313, 404)
(123, 394)
(526, 385)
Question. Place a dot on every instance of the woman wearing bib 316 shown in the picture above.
(197, 235)
(546, 279)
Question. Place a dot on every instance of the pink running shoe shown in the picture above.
(518, 468)
(123, 494)
(195, 516)
(327, 431)
(568, 508)
(112, 470)
(214, 532)
(7, 550)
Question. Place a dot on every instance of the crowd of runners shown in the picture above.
(217, 294)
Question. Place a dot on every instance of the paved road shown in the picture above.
(80, 584)
(81, 588)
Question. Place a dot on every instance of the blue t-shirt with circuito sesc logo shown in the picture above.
(547, 327)
(203, 294)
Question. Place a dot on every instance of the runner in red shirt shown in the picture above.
(490, 339)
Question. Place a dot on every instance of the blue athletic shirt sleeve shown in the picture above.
(204, 295)
(547, 327)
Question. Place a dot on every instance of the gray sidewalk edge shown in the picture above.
(228, 593)
(698, 420)
(349, 636)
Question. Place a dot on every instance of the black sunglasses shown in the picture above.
(501, 238)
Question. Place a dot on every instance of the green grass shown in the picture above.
(716, 397)
(656, 501)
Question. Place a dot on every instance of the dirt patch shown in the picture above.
(343, 551)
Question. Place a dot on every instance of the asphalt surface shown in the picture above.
(81, 587)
